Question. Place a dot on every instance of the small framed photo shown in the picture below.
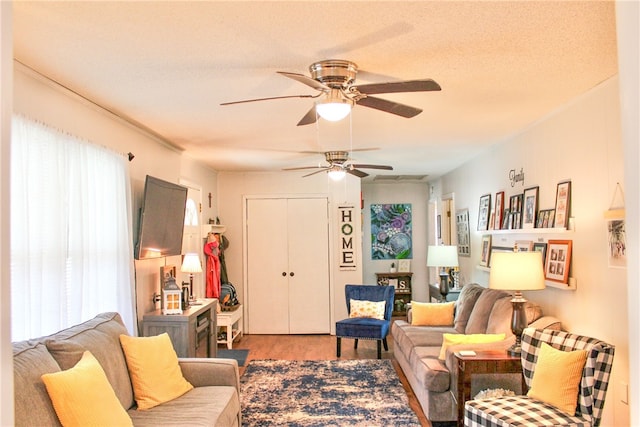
(563, 204)
(404, 266)
(556, 267)
(515, 203)
(542, 248)
(530, 207)
(495, 249)
(483, 212)
(524, 245)
(486, 250)
(499, 210)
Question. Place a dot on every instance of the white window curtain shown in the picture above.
(71, 239)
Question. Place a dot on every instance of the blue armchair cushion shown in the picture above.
(363, 328)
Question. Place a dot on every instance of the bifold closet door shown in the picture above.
(288, 266)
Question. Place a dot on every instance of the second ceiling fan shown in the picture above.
(335, 78)
(340, 164)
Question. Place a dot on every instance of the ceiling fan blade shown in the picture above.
(268, 99)
(313, 173)
(356, 172)
(304, 167)
(306, 80)
(424, 85)
(383, 167)
(389, 106)
(310, 117)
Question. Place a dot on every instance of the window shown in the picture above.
(71, 240)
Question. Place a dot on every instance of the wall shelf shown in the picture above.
(528, 231)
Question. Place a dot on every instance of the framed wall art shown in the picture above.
(499, 210)
(404, 266)
(530, 207)
(556, 267)
(495, 249)
(391, 230)
(462, 231)
(542, 248)
(563, 204)
(483, 212)
(486, 250)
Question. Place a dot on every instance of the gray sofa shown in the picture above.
(478, 310)
(214, 400)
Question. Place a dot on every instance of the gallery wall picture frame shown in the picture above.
(485, 252)
(530, 207)
(495, 249)
(483, 212)
(542, 248)
(463, 232)
(499, 210)
(563, 205)
(524, 245)
(404, 266)
(556, 267)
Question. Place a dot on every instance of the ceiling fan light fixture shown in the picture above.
(336, 173)
(334, 107)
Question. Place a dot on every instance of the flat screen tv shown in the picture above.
(161, 219)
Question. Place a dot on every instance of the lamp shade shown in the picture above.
(191, 263)
(442, 256)
(516, 271)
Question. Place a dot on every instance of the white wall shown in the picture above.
(233, 186)
(416, 195)
(40, 99)
(581, 142)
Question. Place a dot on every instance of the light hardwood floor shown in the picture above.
(321, 347)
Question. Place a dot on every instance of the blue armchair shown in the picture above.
(364, 327)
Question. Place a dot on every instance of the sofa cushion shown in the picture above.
(479, 317)
(500, 318)
(154, 369)
(432, 314)
(100, 336)
(32, 404)
(464, 305)
(82, 395)
(215, 406)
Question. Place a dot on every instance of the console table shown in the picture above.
(484, 362)
(191, 333)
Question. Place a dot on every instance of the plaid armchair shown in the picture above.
(523, 410)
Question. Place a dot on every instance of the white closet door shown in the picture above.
(309, 263)
(268, 289)
(288, 266)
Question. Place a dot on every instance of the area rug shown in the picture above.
(239, 354)
(324, 393)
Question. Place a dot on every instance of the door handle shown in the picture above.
(291, 274)
(284, 274)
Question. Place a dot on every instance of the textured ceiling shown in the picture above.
(168, 65)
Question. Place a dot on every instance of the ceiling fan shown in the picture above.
(339, 165)
(335, 78)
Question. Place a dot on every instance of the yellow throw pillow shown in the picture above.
(556, 378)
(153, 366)
(363, 308)
(452, 339)
(83, 396)
(432, 314)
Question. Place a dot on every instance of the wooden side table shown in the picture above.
(484, 362)
(232, 322)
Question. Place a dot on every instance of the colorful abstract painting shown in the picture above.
(391, 231)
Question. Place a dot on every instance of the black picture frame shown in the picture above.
(563, 205)
(484, 210)
(530, 207)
